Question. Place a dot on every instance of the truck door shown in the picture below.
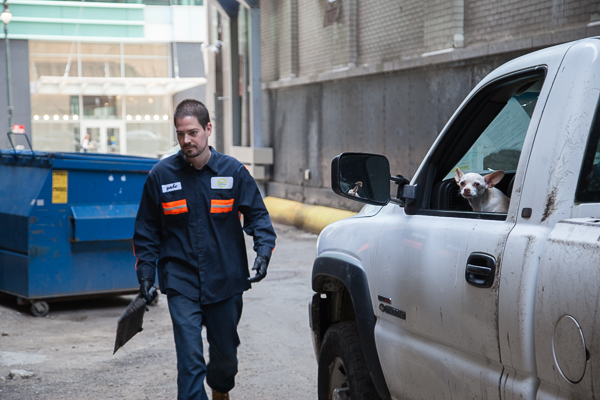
(439, 268)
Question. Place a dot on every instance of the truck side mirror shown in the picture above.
(362, 177)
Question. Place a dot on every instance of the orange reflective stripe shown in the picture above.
(221, 206)
(216, 202)
(175, 203)
(175, 207)
(176, 211)
(137, 260)
(220, 210)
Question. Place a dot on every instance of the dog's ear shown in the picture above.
(494, 178)
(458, 174)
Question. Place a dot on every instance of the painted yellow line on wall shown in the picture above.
(304, 216)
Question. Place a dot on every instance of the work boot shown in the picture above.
(219, 395)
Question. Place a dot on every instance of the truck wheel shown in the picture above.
(343, 371)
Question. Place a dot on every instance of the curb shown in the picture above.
(304, 216)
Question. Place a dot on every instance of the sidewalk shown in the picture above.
(304, 216)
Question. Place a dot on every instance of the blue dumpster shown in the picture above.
(66, 224)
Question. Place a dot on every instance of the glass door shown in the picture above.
(113, 140)
(103, 137)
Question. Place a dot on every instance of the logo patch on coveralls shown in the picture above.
(221, 182)
(171, 187)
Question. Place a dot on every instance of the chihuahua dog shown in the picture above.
(480, 191)
(354, 190)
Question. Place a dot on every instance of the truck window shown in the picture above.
(588, 187)
(487, 135)
(499, 146)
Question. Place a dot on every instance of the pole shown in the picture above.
(255, 79)
(8, 77)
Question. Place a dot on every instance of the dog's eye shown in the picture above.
(462, 183)
(476, 184)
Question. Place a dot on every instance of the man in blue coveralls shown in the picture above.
(188, 224)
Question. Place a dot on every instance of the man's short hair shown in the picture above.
(192, 108)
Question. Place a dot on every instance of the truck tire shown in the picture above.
(343, 371)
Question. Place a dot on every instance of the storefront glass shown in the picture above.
(48, 107)
(148, 139)
(147, 108)
(101, 107)
(118, 123)
(55, 136)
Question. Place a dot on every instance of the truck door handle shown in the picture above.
(481, 270)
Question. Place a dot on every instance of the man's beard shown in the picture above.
(190, 153)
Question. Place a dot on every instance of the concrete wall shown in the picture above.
(19, 57)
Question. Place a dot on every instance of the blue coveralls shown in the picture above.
(189, 220)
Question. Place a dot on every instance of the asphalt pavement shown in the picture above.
(69, 352)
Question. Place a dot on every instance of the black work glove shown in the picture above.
(147, 290)
(260, 266)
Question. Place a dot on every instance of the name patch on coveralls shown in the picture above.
(221, 182)
(171, 187)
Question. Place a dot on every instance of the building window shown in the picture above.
(101, 107)
(146, 60)
(98, 60)
(154, 2)
(47, 107)
(52, 59)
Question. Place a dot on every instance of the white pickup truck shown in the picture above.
(419, 297)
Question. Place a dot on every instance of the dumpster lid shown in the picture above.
(103, 222)
(78, 161)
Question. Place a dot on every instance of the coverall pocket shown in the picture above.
(176, 207)
(221, 208)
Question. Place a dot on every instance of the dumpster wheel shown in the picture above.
(39, 308)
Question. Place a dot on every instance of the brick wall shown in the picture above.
(595, 11)
(320, 48)
(269, 26)
(389, 29)
(495, 20)
(376, 31)
(287, 36)
(443, 24)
